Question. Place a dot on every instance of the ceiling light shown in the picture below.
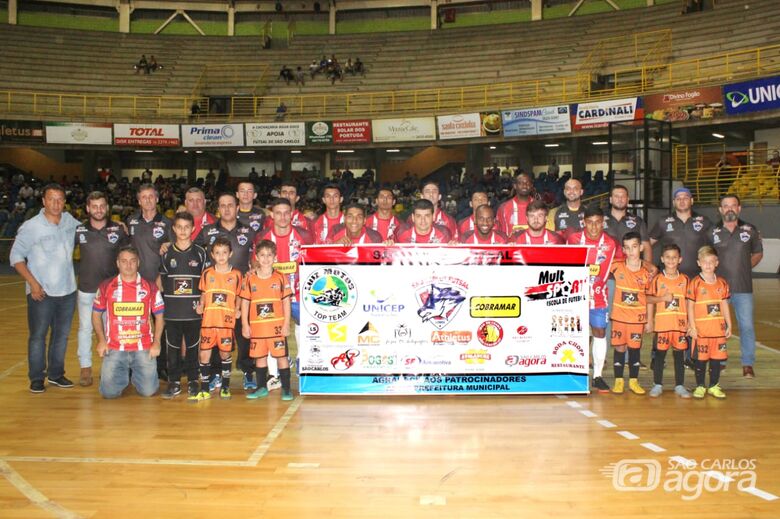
(719, 135)
(551, 145)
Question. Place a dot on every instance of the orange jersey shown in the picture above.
(670, 316)
(707, 297)
(630, 302)
(221, 290)
(266, 310)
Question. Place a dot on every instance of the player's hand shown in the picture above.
(37, 292)
(199, 308)
(344, 241)
(245, 331)
(154, 351)
(164, 247)
(728, 331)
(692, 332)
(101, 348)
(453, 242)
(649, 327)
(238, 314)
(668, 297)
(286, 330)
(388, 243)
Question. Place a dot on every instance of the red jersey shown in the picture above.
(468, 224)
(324, 224)
(288, 252)
(599, 258)
(129, 307)
(199, 223)
(437, 234)
(473, 237)
(442, 219)
(707, 297)
(385, 227)
(525, 238)
(367, 236)
(298, 220)
(511, 216)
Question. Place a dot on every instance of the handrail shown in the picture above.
(757, 183)
(626, 82)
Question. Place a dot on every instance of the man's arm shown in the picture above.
(647, 251)
(159, 325)
(97, 325)
(755, 258)
(36, 290)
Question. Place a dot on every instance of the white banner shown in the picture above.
(601, 113)
(276, 134)
(78, 133)
(212, 135)
(460, 126)
(400, 130)
(146, 135)
(536, 121)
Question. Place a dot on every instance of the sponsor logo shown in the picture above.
(475, 356)
(526, 361)
(521, 330)
(450, 337)
(337, 332)
(329, 294)
(314, 368)
(345, 360)
(440, 299)
(128, 309)
(377, 361)
(494, 306)
(490, 334)
(182, 286)
(402, 332)
(368, 335)
(312, 329)
(565, 324)
(413, 361)
(82, 238)
(569, 354)
(554, 288)
(382, 305)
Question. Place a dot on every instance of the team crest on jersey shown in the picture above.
(219, 299)
(715, 239)
(242, 239)
(630, 223)
(744, 236)
(173, 263)
(112, 237)
(255, 225)
(82, 238)
(698, 226)
(669, 227)
(158, 232)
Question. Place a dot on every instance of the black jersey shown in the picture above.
(147, 237)
(253, 218)
(99, 248)
(180, 272)
(242, 239)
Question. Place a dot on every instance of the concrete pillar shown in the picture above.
(380, 156)
(536, 10)
(192, 167)
(434, 15)
(525, 160)
(326, 166)
(89, 167)
(124, 16)
(285, 163)
(579, 151)
(231, 20)
(475, 159)
(332, 18)
(13, 12)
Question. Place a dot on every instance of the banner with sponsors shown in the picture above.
(450, 320)
(21, 131)
(78, 133)
(146, 135)
(401, 130)
(319, 132)
(536, 121)
(352, 132)
(601, 113)
(685, 105)
(460, 126)
(275, 134)
(752, 96)
(212, 135)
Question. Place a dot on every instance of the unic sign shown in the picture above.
(752, 96)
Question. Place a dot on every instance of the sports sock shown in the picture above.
(262, 376)
(205, 372)
(714, 372)
(599, 355)
(679, 367)
(284, 375)
(227, 365)
(620, 363)
(700, 366)
(633, 362)
(658, 366)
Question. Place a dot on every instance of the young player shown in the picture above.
(709, 321)
(629, 312)
(265, 317)
(668, 316)
(180, 271)
(220, 286)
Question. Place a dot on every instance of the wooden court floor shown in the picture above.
(68, 453)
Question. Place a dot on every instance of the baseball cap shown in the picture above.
(681, 191)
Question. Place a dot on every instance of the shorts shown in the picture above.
(706, 348)
(598, 317)
(627, 334)
(221, 338)
(677, 340)
(259, 348)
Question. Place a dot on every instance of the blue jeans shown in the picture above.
(743, 309)
(55, 313)
(85, 300)
(115, 373)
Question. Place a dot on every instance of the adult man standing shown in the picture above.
(42, 254)
(511, 214)
(568, 217)
(289, 190)
(383, 220)
(354, 230)
(739, 250)
(331, 197)
(99, 241)
(423, 228)
(485, 232)
(431, 192)
(195, 202)
(617, 223)
(479, 197)
(128, 343)
(248, 214)
(536, 233)
(148, 231)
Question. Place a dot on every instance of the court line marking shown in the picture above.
(628, 435)
(303, 465)
(606, 423)
(589, 414)
(768, 323)
(760, 493)
(653, 447)
(575, 405)
(34, 495)
(433, 500)
(12, 307)
(11, 283)
(9, 370)
(274, 433)
(720, 476)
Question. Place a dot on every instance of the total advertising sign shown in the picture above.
(536, 121)
(409, 320)
(78, 133)
(752, 96)
(601, 113)
(212, 135)
(21, 131)
(146, 135)
(460, 126)
(403, 130)
(276, 134)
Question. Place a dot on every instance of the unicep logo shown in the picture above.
(752, 96)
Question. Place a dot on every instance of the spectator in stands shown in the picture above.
(267, 41)
(725, 175)
(142, 65)
(358, 67)
(195, 109)
(299, 77)
(775, 160)
(281, 111)
(349, 68)
(153, 65)
(314, 67)
(286, 74)
(553, 170)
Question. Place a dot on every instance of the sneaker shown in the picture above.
(747, 372)
(682, 392)
(699, 392)
(249, 382)
(618, 387)
(215, 383)
(204, 395)
(36, 386)
(257, 393)
(656, 390)
(633, 385)
(193, 388)
(60, 382)
(174, 388)
(716, 391)
(600, 385)
(642, 365)
(225, 393)
(85, 378)
(273, 383)
(287, 395)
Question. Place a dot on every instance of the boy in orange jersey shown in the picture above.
(220, 285)
(629, 312)
(709, 321)
(668, 315)
(265, 317)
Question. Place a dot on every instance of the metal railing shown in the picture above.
(757, 184)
